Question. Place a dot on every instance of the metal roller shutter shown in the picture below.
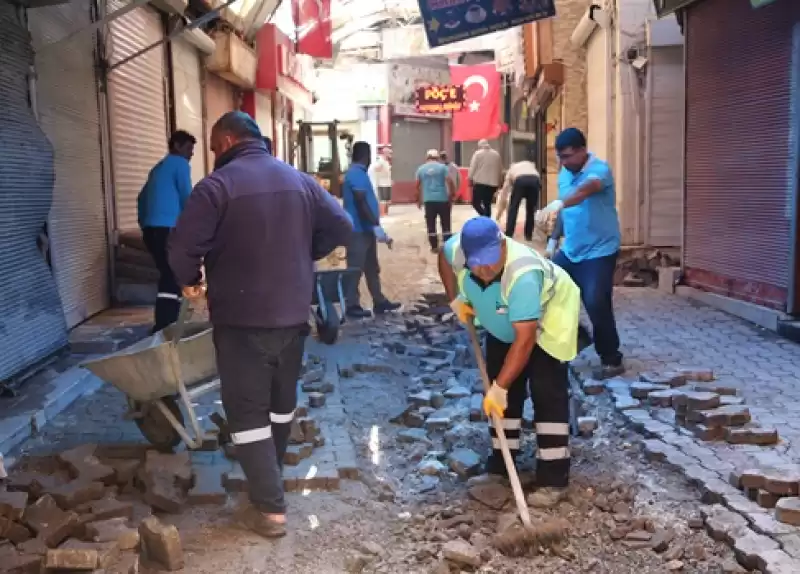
(219, 100)
(32, 319)
(189, 99)
(410, 140)
(69, 115)
(738, 141)
(665, 144)
(137, 106)
(597, 62)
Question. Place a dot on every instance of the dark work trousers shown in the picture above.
(547, 379)
(168, 299)
(526, 187)
(384, 193)
(595, 277)
(482, 196)
(258, 370)
(362, 253)
(440, 210)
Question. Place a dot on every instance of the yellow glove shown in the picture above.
(463, 310)
(495, 402)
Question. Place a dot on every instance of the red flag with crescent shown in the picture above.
(312, 20)
(480, 118)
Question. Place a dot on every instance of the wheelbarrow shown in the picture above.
(329, 289)
(175, 365)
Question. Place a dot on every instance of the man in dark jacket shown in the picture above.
(257, 224)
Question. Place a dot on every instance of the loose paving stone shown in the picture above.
(431, 468)
(752, 435)
(625, 402)
(413, 435)
(84, 465)
(722, 524)
(476, 413)
(421, 399)
(464, 462)
(12, 504)
(662, 399)
(438, 400)
(670, 379)
(106, 508)
(297, 452)
(316, 400)
(697, 401)
(702, 374)
(49, 522)
(642, 390)
(779, 562)
(13, 531)
(766, 499)
(208, 488)
(752, 478)
(592, 387)
(77, 492)
(462, 553)
(749, 547)
(457, 392)
(161, 543)
(787, 510)
(494, 495)
(162, 491)
(783, 482)
(71, 559)
(587, 425)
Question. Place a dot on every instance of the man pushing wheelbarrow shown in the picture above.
(257, 225)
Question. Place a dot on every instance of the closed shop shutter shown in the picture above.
(665, 146)
(219, 100)
(33, 324)
(553, 127)
(69, 115)
(411, 138)
(189, 99)
(597, 62)
(739, 147)
(137, 106)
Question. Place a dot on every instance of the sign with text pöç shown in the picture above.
(448, 21)
(440, 99)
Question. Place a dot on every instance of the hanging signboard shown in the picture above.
(448, 21)
(760, 3)
(664, 7)
(440, 99)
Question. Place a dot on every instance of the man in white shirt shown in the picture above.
(452, 169)
(381, 174)
(485, 176)
(522, 182)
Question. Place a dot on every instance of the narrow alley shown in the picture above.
(394, 484)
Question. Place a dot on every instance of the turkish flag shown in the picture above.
(312, 20)
(480, 118)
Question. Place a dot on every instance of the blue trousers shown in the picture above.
(595, 277)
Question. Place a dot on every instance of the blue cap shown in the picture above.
(482, 241)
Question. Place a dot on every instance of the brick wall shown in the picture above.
(568, 14)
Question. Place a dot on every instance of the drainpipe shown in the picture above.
(684, 156)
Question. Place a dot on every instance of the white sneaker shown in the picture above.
(547, 497)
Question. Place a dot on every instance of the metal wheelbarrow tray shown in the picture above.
(156, 373)
(329, 288)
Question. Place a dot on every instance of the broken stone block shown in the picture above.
(662, 399)
(592, 387)
(34, 483)
(83, 465)
(412, 435)
(462, 553)
(457, 392)
(161, 543)
(107, 508)
(661, 540)
(124, 470)
(707, 433)
(49, 522)
(696, 401)
(670, 379)
(752, 478)
(13, 531)
(316, 400)
(587, 425)
(732, 415)
(162, 491)
(296, 435)
(476, 408)
(33, 546)
(700, 374)
(642, 390)
(178, 465)
(431, 468)
(314, 375)
(12, 504)
(127, 564)
(492, 495)
(766, 499)
(438, 400)
(77, 492)
(106, 552)
(783, 482)
(464, 462)
(321, 387)
(113, 530)
(416, 419)
(309, 428)
(295, 453)
(787, 510)
(752, 435)
(421, 399)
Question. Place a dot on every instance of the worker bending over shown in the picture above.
(530, 308)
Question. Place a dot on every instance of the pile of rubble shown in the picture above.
(81, 511)
(690, 398)
(639, 267)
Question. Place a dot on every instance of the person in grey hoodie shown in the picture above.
(258, 225)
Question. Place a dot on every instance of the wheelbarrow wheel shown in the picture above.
(156, 428)
(328, 322)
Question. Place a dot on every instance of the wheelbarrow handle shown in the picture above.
(180, 322)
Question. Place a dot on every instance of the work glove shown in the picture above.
(495, 402)
(543, 215)
(380, 234)
(502, 205)
(550, 250)
(463, 310)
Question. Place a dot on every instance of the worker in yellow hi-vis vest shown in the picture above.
(530, 309)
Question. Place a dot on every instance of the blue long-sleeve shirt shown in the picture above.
(164, 195)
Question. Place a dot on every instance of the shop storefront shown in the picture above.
(741, 172)
(283, 74)
(221, 98)
(413, 134)
(69, 113)
(33, 318)
(137, 106)
(187, 85)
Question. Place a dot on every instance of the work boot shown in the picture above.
(547, 497)
(385, 307)
(266, 525)
(608, 372)
(357, 312)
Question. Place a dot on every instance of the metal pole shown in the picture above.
(191, 26)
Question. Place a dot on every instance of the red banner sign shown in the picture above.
(312, 20)
(440, 99)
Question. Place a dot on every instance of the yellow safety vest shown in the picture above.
(560, 299)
